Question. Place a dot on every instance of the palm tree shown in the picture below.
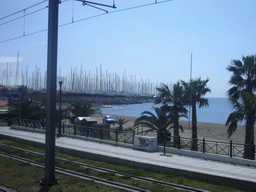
(155, 122)
(245, 110)
(120, 122)
(4, 90)
(195, 90)
(24, 92)
(64, 114)
(26, 107)
(244, 76)
(242, 94)
(175, 97)
(81, 108)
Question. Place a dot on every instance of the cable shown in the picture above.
(23, 15)
(73, 11)
(22, 10)
(121, 10)
(24, 24)
(29, 34)
(87, 18)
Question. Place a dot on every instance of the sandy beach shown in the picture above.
(209, 131)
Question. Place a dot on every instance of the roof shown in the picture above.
(88, 119)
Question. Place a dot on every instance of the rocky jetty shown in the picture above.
(106, 99)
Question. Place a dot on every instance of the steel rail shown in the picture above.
(115, 172)
(77, 174)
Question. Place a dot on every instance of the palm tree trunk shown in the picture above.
(249, 148)
(176, 129)
(194, 128)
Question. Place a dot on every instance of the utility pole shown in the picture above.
(189, 110)
(53, 13)
(17, 71)
(51, 93)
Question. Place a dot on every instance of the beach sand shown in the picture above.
(209, 131)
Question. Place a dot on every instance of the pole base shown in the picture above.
(47, 182)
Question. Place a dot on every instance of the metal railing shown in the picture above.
(85, 131)
(205, 146)
(29, 123)
(208, 146)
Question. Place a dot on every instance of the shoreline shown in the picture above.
(209, 131)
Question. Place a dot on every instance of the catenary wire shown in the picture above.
(23, 10)
(88, 18)
(23, 15)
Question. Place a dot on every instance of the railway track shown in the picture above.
(99, 169)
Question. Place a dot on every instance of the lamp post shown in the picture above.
(60, 80)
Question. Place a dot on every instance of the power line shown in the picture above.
(19, 37)
(88, 18)
(23, 15)
(23, 10)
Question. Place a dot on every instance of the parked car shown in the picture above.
(108, 119)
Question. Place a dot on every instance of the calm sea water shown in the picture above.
(217, 112)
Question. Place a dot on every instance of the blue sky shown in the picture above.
(153, 42)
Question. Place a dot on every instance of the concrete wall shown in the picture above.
(206, 156)
(209, 156)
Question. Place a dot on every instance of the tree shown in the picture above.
(25, 107)
(243, 78)
(24, 92)
(245, 110)
(176, 100)
(242, 95)
(155, 122)
(120, 122)
(64, 114)
(82, 108)
(195, 90)
(3, 89)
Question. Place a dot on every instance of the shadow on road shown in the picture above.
(45, 188)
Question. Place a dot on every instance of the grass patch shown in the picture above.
(73, 184)
(24, 177)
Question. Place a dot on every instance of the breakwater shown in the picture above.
(97, 99)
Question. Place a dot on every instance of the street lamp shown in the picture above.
(60, 80)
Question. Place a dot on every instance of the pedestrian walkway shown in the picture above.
(242, 177)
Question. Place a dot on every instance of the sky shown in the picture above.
(150, 42)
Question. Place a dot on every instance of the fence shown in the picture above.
(205, 146)
(28, 123)
(73, 129)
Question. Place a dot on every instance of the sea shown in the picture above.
(217, 111)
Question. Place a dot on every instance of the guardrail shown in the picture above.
(73, 129)
(208, 146)
(28, 123)
(100, 133)
(205, 146)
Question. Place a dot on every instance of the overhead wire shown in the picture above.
(24, 24)
(88, 18)
(73, 11)
(23, 10)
